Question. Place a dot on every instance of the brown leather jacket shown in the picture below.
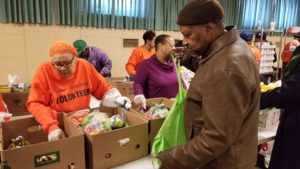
(221, 110)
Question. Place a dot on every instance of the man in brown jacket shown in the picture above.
(222, 104)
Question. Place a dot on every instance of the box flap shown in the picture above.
(71, 129)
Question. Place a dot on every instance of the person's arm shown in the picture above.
(257, 56)
(225, 102)
(132, 62)
(107, 64)
(39, 100)
(141, 80)
(284, 96)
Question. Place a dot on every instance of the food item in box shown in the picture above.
(80, 115)
(18, 142)
(116, 122)
(157, 111)
(96, 122)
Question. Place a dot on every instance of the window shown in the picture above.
(131, 8)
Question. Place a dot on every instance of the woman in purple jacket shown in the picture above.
(156, 76)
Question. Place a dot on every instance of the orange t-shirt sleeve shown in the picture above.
(257, 56)
(133, 61)
(99, 85)
(38, 103)
(2, 105)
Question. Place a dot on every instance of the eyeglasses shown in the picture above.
(63, 64)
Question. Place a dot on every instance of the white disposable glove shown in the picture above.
(113, 98)
(141, 100)
(56, 135)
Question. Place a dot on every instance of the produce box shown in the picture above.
(113, 79)
(154, 124)
(16, 103)
(269, 118)
(125, 87)
(67, 153)
(5, 89)
(111, 148)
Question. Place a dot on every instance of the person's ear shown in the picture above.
(209, 27)
(159, 46)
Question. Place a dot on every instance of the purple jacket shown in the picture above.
(100, 60)
(154, 79)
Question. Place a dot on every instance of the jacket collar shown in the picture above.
(227, 38)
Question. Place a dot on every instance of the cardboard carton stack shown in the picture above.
(16, 103)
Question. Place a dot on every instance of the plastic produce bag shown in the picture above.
(172, 132)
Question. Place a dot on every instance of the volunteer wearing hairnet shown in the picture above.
(66, 84)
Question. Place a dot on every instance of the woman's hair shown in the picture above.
(161, 39)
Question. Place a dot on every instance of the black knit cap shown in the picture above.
(198, 12)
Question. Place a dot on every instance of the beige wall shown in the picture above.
(24, 47)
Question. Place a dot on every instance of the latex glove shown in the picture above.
(123, 102)
(56, 135)
(113, 98)
(140, 99)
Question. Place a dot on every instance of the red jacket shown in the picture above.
(286, 53)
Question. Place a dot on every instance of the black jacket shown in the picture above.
(286, 148)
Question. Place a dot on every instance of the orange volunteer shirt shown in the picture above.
(256, 53)
(138, 55)
(51, 93)
(2, 105)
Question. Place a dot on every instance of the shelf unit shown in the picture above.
(268, 52)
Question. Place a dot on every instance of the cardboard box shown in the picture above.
(125, 87)
(155, 124)
(5, 89)
(269, 118)
(113, 79)
(105, 151)
(66, 152)
(16, 103)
